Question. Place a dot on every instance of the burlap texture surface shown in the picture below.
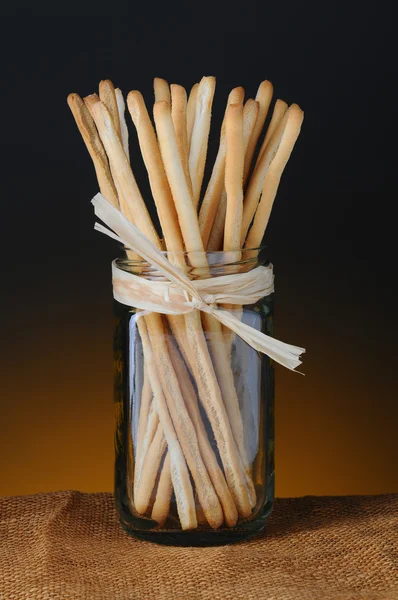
(69, 545)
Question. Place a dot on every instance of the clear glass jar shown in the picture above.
(195, 419)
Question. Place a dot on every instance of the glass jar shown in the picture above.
(195, 418)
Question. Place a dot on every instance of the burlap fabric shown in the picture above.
(69, 545)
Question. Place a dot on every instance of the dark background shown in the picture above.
(332, 234)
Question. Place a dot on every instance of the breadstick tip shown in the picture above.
(161, 89)
(296, 115)
(80, 113)
(204, 98)
(99, 110)
(236, 95)
(208, 81)
(193, 91)
(74, 99)
(265, 87)
(178, 97)
(296, 110)
(281, 103)
(250, 114)
(91, 100)
(107, 95)
(250, 102)
(177, 87)
(134, 103)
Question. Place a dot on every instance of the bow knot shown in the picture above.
(205, 303)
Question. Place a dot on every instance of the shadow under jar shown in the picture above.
(195, 417)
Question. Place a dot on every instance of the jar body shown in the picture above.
(154, 441)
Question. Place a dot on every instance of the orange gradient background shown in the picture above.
(329, 239)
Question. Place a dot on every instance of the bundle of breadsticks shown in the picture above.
(175, 461)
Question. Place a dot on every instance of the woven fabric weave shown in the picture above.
(69, 545)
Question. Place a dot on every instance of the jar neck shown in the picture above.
(213, 264)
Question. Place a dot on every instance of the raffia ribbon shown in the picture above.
(179, 295)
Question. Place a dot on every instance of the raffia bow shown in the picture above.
(179, 295)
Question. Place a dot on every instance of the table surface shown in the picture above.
(69, 545)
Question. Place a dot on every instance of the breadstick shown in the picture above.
(191, 108)
(212, 401)
(253, 191)
(161, 506)
(221, 361)
(185, 430)
(141, 462)
(108, 97)
(124, 132)
(211, 200)
(179, 471)
(250, 115)
(157, 177)
(178, 184)
(144, 482)
(200, 134)
(209, 458)
(235, 96)
(116, 109)
(234, 177)
(215, 242)
(209, 390)
(162, 90)
(263, 97)
(145, 406)
(180, 334)
(179, 116)
(234, 189)
(131, 200)
(232, 234)
(278, 113)
(94, 145)
(281, 147)
(121, 121)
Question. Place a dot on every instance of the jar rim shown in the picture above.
(212, 253)
(219, 262)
